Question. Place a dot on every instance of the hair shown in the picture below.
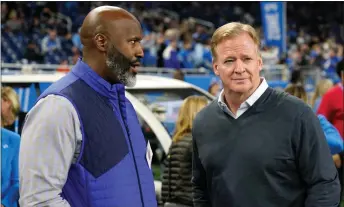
(320, 90)
(297, 90)
(9, 94)
(211, 86)
(187, 113)
(340, 69)
(232, 30)
(296, 77)
(179, 75)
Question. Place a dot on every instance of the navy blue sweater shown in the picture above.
(275, 154)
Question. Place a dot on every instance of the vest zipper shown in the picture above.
(132, 151)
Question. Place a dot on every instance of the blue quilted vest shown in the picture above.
(112, 170)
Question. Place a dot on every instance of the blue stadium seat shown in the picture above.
(67, 47)
(11, 40)
(57, 59)
(5, 58)
(4, 43)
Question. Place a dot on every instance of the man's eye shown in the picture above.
(132, 42)
(229, 61)
(247, 59)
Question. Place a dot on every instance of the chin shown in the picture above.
(131, 81)
(240, 88)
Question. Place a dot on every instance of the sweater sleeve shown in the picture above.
(166, 178)
(332, 135)
(199, 180)
(48, 145)
(316, 165)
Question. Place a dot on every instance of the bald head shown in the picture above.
(111, 38)
(100, 20)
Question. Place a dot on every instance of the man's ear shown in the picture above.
(101, 42)
(260, 63)
(216, 67)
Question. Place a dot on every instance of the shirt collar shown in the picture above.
(87, 74)
(258, 93)
(253, 98)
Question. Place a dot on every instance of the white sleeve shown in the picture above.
(44, 45)
(49, 141)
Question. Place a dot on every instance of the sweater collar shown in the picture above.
(250, 101)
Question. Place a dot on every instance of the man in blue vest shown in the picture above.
(82, 144)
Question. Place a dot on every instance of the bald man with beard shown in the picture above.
(82, 144)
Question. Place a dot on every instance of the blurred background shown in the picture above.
(304, 36)
(301, 42)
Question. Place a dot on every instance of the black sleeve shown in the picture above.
(165, 188)
(315, 163)
(199, 180)
(341, 154)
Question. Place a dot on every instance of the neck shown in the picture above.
(94, 60)
(98, 66)
(235, 99)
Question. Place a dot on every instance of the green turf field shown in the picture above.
(156, 172)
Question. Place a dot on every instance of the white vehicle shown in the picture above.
(156, 101)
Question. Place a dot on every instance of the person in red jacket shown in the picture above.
(332, 105)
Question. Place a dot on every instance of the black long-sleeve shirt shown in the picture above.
(275, 154)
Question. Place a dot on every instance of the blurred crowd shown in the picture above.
(176, 35)
(310, 51)
(49, 32)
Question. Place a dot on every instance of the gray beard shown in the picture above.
(124, 76)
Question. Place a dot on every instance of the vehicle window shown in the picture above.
(165, 103)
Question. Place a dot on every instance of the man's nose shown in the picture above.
(239, 67)
(139, 51)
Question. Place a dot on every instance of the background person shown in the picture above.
(176, 180)
(332, 104)
(332, 135)
(10, 142)
(321, 88)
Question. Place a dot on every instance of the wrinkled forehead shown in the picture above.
(236, 45)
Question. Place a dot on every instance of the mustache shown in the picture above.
(135, 62)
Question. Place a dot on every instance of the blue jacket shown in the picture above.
(317, 104)
(112, 169)
(10, 142)
(332, 135)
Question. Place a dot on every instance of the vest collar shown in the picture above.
(87, 74)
